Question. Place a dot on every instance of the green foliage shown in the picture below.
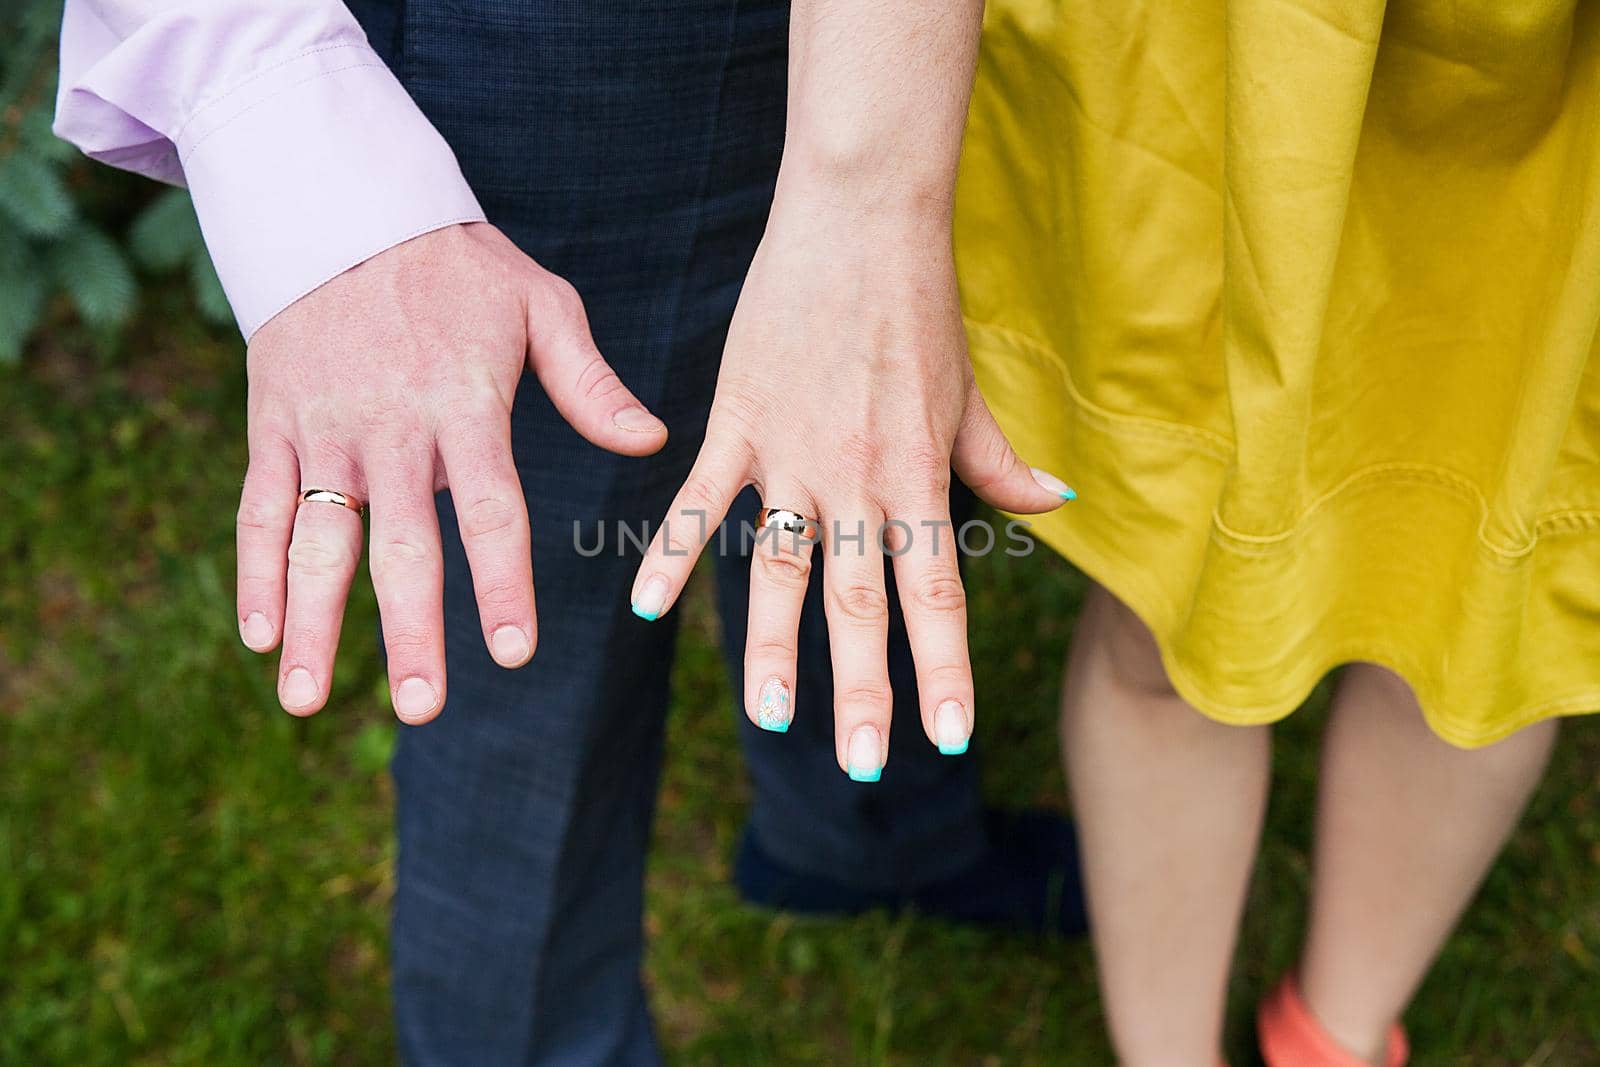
(33, 195)
(22, 292)
(165, 238)
(58, 238)
(92, 270)
(165, 235)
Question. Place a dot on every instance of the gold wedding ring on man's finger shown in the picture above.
(333, 496)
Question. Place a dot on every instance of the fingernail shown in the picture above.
(950, 730)
(638, 420)
(510, 646)
(414, 698)
(651, 599)
(299, 689)
(772, 706)
(256, 631)
(1054, 484)
(865, 755)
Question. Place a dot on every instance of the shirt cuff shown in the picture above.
(310, 168)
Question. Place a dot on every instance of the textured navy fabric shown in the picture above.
(630, 147)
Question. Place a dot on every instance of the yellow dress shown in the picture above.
(1303, 296)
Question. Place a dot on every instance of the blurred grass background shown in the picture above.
(190, 876)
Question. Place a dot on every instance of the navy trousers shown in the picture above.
(630, 146)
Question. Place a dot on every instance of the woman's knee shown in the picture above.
(1125, 645)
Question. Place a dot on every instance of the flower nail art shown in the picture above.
(773, 710)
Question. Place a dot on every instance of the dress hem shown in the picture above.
(1475, 621)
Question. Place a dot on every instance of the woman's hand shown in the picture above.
(846, 395)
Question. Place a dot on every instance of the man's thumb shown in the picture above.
(578, 380)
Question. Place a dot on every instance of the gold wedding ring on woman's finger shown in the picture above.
(333, 496)
(787, 520)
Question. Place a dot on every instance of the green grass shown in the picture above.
(189, 876)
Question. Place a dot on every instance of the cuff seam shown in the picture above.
(240, 86)
(189, 149)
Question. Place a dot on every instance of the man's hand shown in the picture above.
(390, 382)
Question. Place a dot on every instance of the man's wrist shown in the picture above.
(299, 177)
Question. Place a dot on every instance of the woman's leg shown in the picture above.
(1406, 827)
(1169, 807)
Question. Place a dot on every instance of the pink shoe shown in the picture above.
(1291, 1037)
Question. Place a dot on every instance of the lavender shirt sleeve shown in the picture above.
(303, 153)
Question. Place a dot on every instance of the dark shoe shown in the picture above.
(1027, 880)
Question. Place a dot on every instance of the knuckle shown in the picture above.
(864, 695)
(561, 296)
(954, 678)
(677, 542)
(924, 464)
(399, 445)
(859, 457)
(395, 555)
(699, 496)
(941, 594)
(861, 605)
(256, 514)
(787, 570)
(473, 414)
(769, 648)
(997, 462)
(406, 645)
(691, 520)
(496, 593)
(316, 557)
(330, 450)
(487, 516)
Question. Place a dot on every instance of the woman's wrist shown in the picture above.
(851, 215)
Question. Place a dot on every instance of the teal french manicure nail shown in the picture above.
(651, 599)
(773, 709)
(952, 729)
(864, 756)
(1055, 485)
